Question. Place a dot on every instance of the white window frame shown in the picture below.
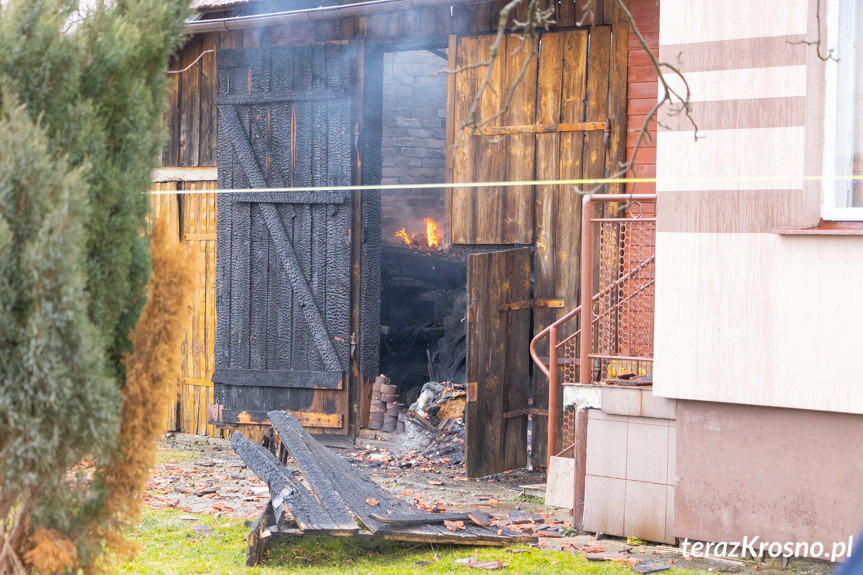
(833, 130)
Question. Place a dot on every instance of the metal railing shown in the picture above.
(618, 341)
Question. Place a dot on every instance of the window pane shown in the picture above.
(849, 108)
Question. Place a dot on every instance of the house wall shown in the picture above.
(745, 314)
(783, 475)
(756, 323)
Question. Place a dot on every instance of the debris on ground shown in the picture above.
(434, 423)
(191, 464)
(488, 565)
(333, 494)
(648, 567)
(219, 486)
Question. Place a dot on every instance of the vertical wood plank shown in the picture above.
(259, 271)
(190, 341)
(478, 452)
(208, 91)
(190, 104)
(303, 349)
(597, 99)
(464, 146)
(202, 372)
(280, 304)
(211, 280)
(564, 13)
(617, 101)
(337, 288)
(516, 370)
(567, 243)
(240, 257)
(519, 162)
(172, 118)
(613, 13)
(588, 13)
(488, 162)
(549, 102)
(224, 223)
(568, 228)
(450, 137)
(318, 272)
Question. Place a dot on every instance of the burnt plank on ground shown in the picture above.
(368, 501)
(285, 490)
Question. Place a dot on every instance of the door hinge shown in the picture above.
(528, 411)
(531, 303)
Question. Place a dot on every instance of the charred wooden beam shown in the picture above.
(311, 516)
(367, 500)
(308, 419)
(279, 378)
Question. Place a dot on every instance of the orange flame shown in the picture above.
(432, 233)
(402, 233)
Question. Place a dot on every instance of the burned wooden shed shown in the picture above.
(292, 313)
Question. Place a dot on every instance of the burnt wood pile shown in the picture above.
(337, 499)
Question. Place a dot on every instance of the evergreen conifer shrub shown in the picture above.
(82, 94)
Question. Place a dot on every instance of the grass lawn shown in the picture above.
(170, 547)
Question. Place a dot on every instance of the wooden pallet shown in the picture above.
(339, 500)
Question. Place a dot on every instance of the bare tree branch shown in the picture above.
(817, 42)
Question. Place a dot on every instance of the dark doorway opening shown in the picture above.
(423, 295)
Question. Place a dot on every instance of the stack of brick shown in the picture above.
(385, 407)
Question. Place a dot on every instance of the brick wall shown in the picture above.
(642, 91)
(414, 140)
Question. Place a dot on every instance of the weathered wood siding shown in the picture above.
(191, 117)
(194, 218)
(580, 77)
(496, 362)
(198, 219)
(192, 120)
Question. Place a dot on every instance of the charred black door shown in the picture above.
(283, 302)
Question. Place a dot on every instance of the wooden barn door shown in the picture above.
(498, 331)
(566, 120)
(284, 277)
